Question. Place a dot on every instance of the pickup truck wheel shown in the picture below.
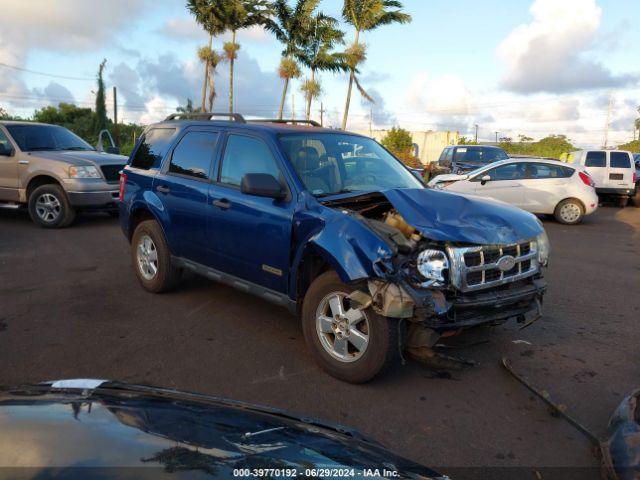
(50, 208)
(152, 258)
(569, 212)
(351, 345)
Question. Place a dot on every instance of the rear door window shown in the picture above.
(152, 149)
(511, 171)
(192, 156)
(596, 159)
(544, 170)
(619, 160)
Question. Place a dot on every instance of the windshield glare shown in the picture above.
(330, 163)
(32, 138)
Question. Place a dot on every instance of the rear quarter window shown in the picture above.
(619, 160)
(152, 148)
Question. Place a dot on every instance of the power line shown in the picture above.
(34, 72)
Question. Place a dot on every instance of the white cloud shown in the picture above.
(156, 109)
(186, 28)
(551, 53)
(446, 94)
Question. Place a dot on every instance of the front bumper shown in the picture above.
(92, 193)
(520, 300)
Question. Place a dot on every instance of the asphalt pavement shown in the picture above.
(70, 306)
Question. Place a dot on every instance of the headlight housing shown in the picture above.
(431, 265)
(84, 172)
(542, 242)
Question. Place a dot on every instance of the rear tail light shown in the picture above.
(123, 183)
(586, 179)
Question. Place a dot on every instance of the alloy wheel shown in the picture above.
(147, 256)
(343, 331)
(570, 212)
(48, 207)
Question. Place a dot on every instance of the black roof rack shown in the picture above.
(236, 117)
(313, 123)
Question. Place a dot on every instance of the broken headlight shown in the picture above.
(431, 265)
(542, 241)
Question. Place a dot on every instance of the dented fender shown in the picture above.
(352, 249)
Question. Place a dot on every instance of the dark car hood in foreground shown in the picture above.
(82, 157)
(451, 217)
(173, 434)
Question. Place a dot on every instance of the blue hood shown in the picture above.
(450, 217)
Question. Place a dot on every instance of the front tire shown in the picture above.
(569, 212)
(351, 345)
(49, 207)
(151, 258)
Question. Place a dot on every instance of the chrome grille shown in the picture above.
(476, 268)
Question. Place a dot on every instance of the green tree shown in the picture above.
(551, 146)
(3, 114)
(211, 59)
(290, 25)
(238, 15)
(399, 142)
(101, 106)
(210, 17)
(633, 146)
(366, 15)
(188, 108)
(317, 54)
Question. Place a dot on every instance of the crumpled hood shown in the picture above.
(74, 157)
(444, 216)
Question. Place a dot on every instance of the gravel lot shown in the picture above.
(70, 306)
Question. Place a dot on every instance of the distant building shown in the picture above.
(428, 144)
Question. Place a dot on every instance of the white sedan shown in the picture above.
(533, 184)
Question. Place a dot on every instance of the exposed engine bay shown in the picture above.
(425, 285)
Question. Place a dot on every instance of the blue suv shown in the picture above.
(332, 226)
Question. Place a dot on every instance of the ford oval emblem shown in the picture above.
(506, 263)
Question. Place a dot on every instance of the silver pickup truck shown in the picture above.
(55, 173)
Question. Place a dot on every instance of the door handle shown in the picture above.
(163, 189)
(222, 204)
(23, 162)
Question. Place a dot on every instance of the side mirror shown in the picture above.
(5, 151)
(261, 185)
(113, 150)
(485, 179)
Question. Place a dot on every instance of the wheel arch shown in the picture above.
(38, 181)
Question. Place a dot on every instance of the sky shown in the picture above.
(516, 67)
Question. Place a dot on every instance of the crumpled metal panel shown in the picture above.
(449, 217)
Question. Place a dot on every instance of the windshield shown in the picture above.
(31, 138)
(330, 163)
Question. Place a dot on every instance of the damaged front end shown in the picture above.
(456, 262)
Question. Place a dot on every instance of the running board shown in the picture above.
(237, 283)
(11, 206)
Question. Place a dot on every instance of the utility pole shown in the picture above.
(293, 106)
(321, 114)
(476, 138)
(371, 120)
(606, 127)
(115, 116)
(497, 137)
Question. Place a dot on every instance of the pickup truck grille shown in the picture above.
(476, 268)
(111, 172)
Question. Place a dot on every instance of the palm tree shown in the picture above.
(317, 54)
(209, 15)
(237, 15)
(290, 25)
(367, 15)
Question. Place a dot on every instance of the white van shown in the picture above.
(613, 172)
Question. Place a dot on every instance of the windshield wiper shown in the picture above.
(77, 148)
(35, 149)
(339, 192)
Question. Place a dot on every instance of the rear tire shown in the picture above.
(49, 207)
(151, 258)
(623, 202)
(636, 197)
(355, 363)
(569, 212)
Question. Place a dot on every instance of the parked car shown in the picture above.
(464, 158)
(55, 173)
(536, 185)
(330, 225)
(613, 172)
(83, 428)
